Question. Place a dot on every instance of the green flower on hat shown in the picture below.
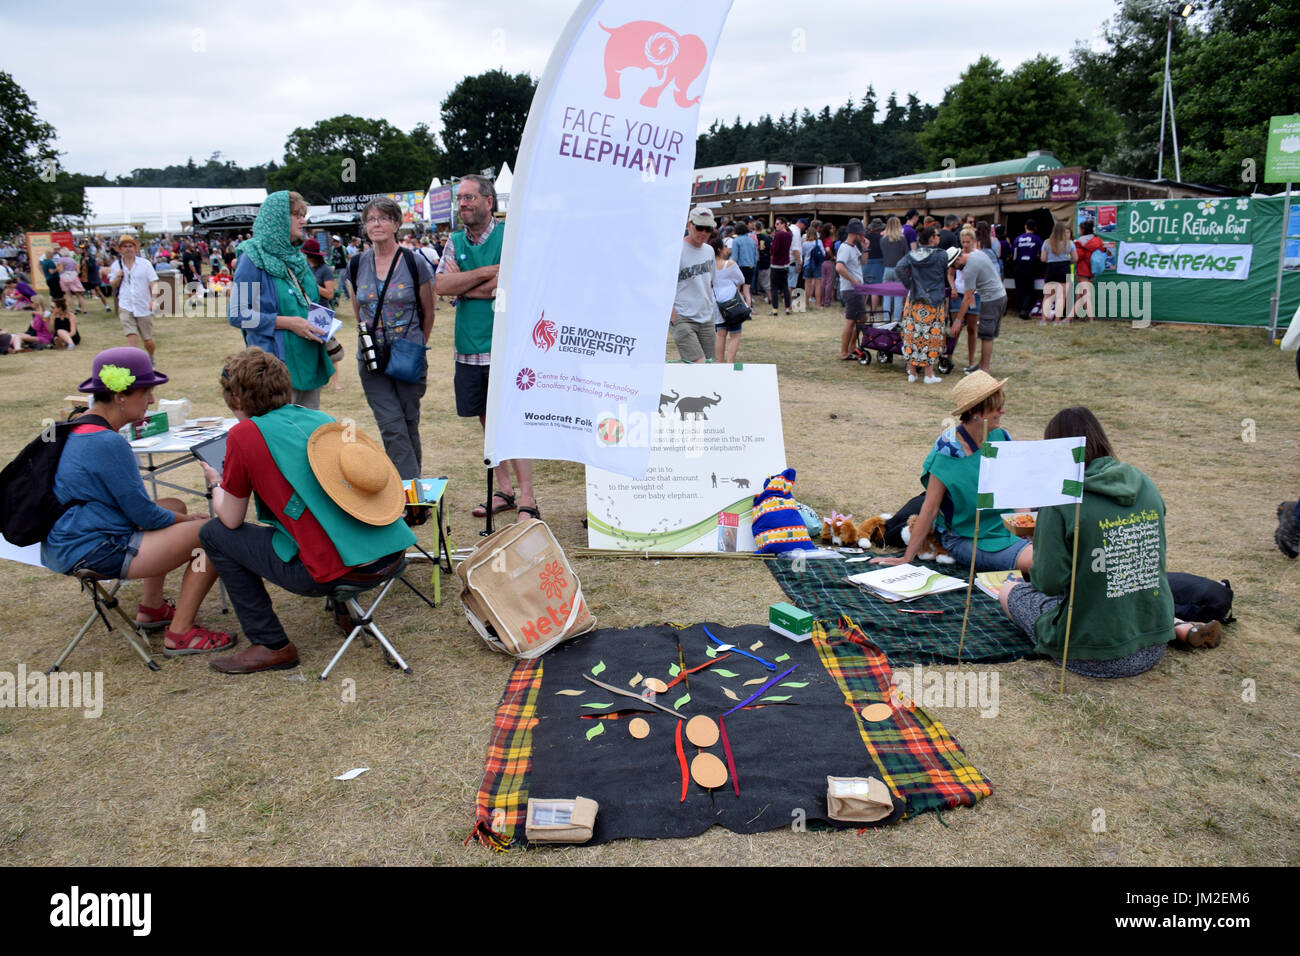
(116, 378)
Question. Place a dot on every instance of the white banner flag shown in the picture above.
(1031, 474)
(593, 241)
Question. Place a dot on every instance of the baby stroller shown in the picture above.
(877, 330)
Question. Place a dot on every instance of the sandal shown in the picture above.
(155, 617)
(198, 640)
(481, 510)
(531, 510)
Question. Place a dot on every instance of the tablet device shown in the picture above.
(212, 452)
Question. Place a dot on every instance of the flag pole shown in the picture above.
(1069, 611)
(974, 551)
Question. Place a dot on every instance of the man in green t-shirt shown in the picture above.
(468, 270)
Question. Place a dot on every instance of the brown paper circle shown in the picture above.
(702, 731)
(656, 685)
(877, 712)
(638, 727)
(708, 771)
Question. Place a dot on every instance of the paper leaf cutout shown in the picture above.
(569, 693)
(596, 705)
(756, 680)
(793, 683)
(723, 672)
(596, 731)
(674, 670)
(783, 657)
(730, 693)
(774, 700)
(711, 651)
(352, 774)
(756, 645)
(681, 702)
(598, 669)
(635, 680)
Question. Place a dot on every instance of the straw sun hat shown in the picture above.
(973, 389)
(356, 474)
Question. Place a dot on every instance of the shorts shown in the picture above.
(471, 386)
(141, 325)
(1057, 272)
(873, 271)
(991, 317)
(696, 341)
(69, 282)
(112, 558)
(731, 325)
(1004, 560)
(855, 306)
(748, 273)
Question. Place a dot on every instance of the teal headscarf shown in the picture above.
(270, 249)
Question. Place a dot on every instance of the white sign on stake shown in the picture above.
(1031, 474)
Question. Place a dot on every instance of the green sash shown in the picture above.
(285, 432)
(961, 477)
(474, 316)
(309, 364)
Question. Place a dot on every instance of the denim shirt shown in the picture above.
(255, 319)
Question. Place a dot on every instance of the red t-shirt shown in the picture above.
(250, 469)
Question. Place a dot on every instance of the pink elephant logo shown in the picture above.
(676, 59)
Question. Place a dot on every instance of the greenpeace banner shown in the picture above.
(1184, 262)
(580, 327)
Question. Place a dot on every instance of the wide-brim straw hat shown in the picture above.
(356, 474)
(973, 389)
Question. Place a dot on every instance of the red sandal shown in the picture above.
(155, 617)
(197, 640)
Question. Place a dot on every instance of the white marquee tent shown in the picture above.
(160, 210)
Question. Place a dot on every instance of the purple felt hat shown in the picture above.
(136, 363)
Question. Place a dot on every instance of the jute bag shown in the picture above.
(520, 593)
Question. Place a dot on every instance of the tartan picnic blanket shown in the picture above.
(914, 754)
(819, 586)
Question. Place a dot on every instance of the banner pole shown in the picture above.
(487, 517)
(974, 553)
(1276, 304)
(1069, 611)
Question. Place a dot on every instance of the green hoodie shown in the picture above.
(1122, 601)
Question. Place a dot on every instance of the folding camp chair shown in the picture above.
(105, 599)
(362, 618)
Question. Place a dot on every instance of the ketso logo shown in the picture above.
(643, 44)
(544, 333)
(526, 379)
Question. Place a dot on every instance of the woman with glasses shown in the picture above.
(272, 293)
(393, 295)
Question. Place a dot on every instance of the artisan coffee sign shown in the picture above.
(1184, 261)
(1185, 221)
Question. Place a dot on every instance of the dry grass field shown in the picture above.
(1185, 770)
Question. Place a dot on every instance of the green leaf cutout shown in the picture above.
(598, 669)
(595, 705)
(783, 657)
(711, 651)
(681, 702)
(793, 683)
(774, 699)
(597, 730)
(723, 672)
(674, 670)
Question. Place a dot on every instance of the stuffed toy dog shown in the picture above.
(931, 548)
(871, 533)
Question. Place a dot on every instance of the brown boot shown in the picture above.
(257, 657)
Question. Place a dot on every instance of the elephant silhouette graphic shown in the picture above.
(644, 44)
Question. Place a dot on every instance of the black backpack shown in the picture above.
(28, 507)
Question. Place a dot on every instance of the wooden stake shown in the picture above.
(1069, 611)
(975, 548)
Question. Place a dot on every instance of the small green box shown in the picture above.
(155, 423)
(789, 620)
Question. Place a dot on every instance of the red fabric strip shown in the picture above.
(681, 760)
(731, 760)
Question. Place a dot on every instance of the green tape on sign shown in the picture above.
(984, 500)
(1072, 488)
(988, 451)
(1080, 452)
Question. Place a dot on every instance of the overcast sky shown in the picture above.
(141, 84)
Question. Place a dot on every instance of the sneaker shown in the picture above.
(970, 368)
(933, 380)
(1287, 534)
(911, 376)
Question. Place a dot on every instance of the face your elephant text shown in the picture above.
(593, 136)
